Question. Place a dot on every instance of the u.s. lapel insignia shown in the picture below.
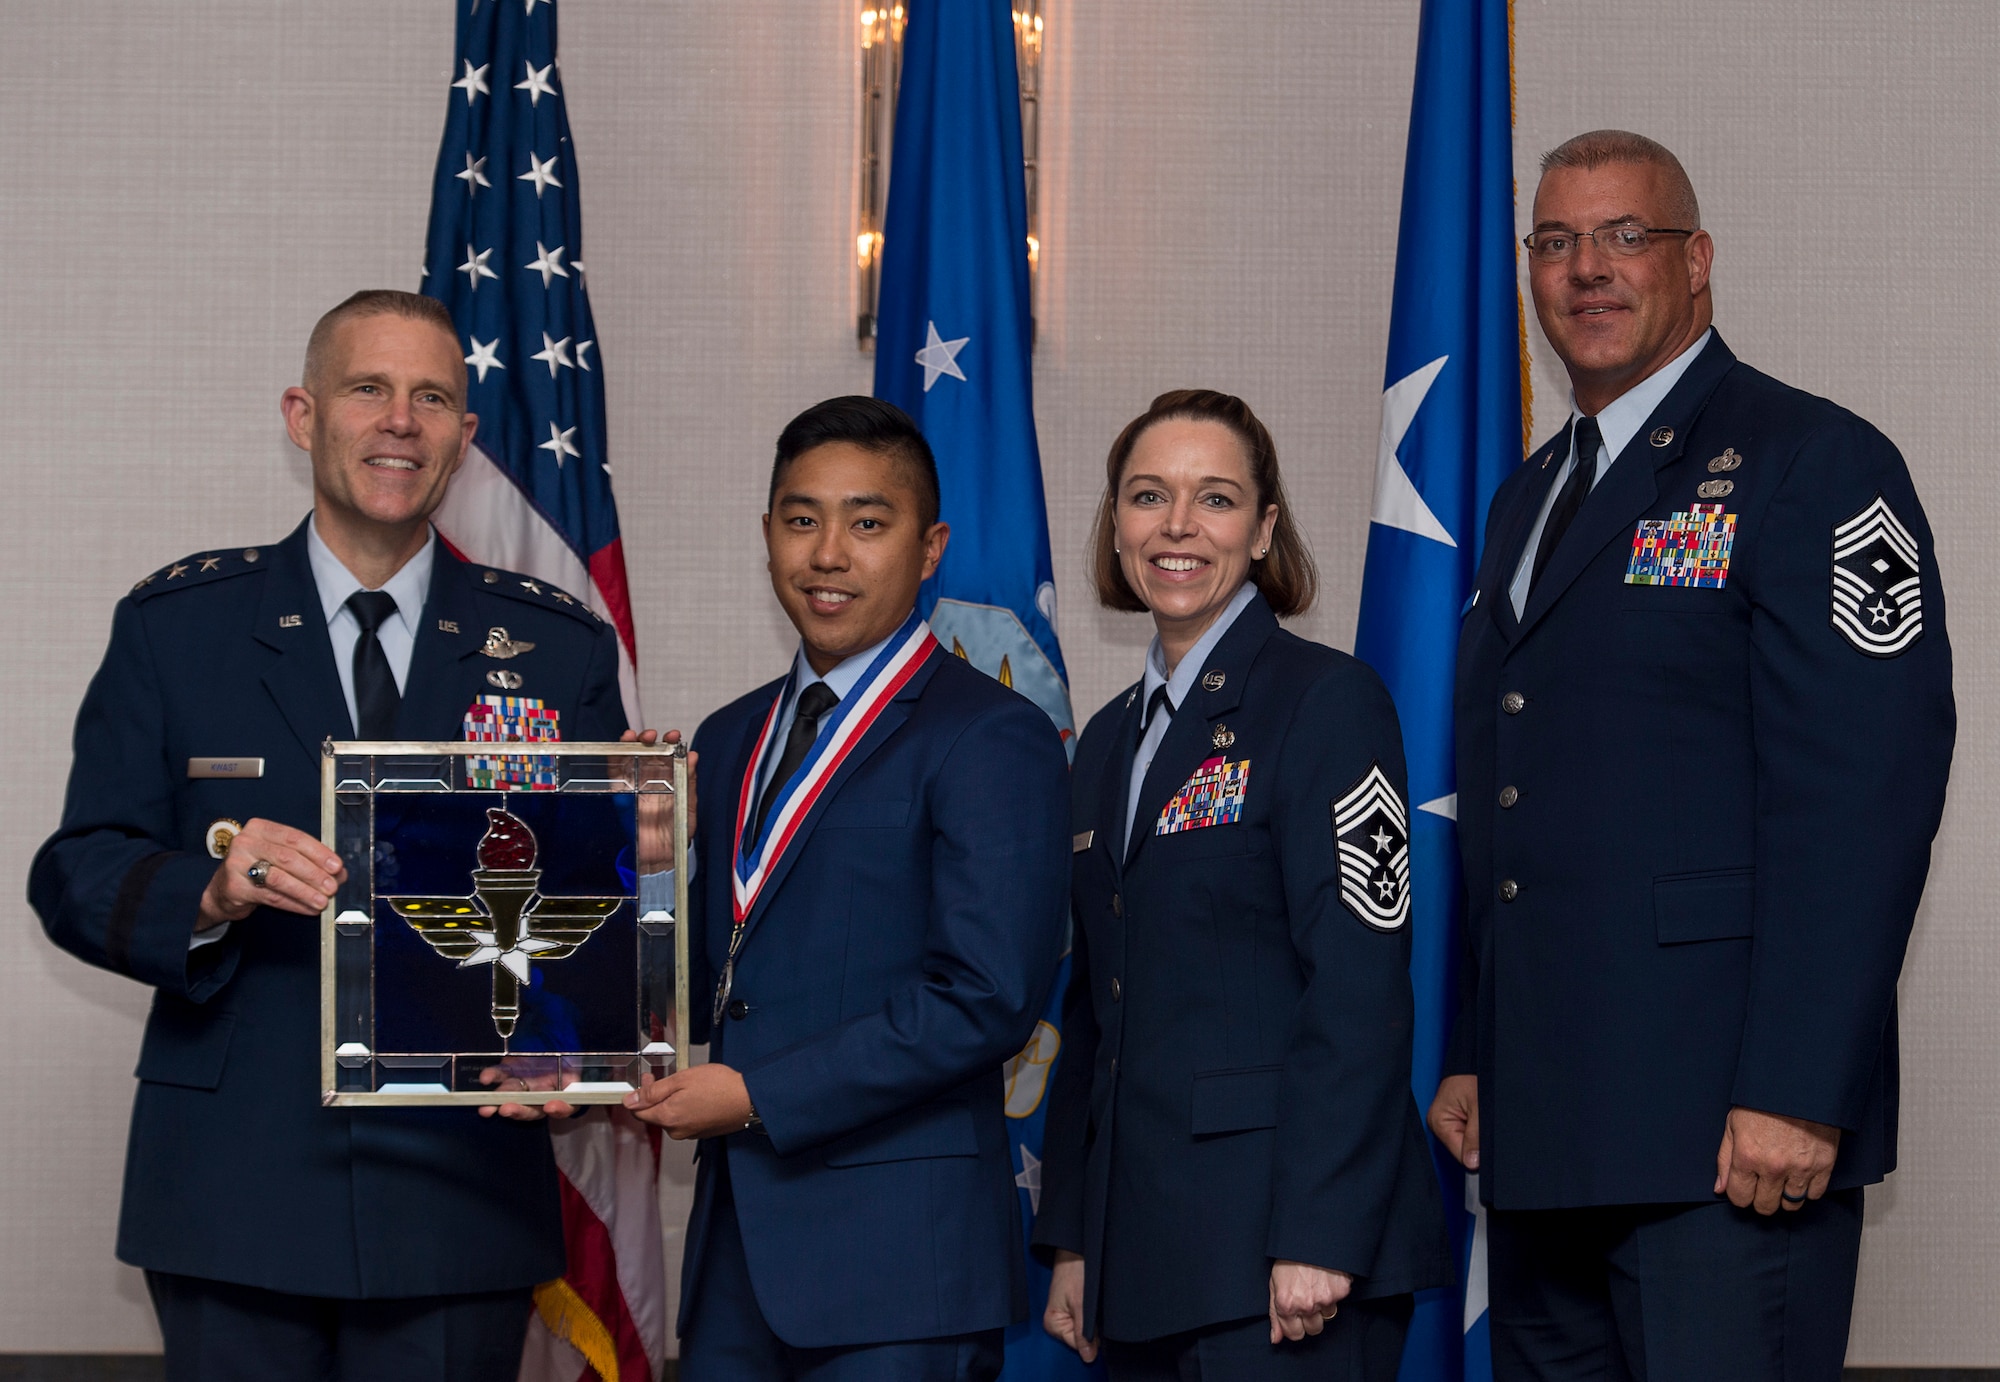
(499, 645)
(1223, 737)
(447, 626)
(1662, 436)
(1728, 460)
(289, 621)
(504, 679)
(220, 832)
(1371, 829)
(1877, 582)
(1212, 680)
(1214, 795)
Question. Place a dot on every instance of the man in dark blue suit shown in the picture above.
(281, 1239)
(883, 867)
(1704, 721)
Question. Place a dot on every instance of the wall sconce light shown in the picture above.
(882, 27)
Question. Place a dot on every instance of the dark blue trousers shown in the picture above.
(216, 1331)
(1673, 1293)
(1363, 1343)
(725, 1338)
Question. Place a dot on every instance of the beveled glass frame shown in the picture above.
(353, 776)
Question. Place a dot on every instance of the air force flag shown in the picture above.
(1451, 431)
(954, 337)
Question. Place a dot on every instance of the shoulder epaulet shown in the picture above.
(202, 568)
(538, 593)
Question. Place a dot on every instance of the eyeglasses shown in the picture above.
(1623, 240)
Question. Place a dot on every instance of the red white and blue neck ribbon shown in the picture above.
(842, 729)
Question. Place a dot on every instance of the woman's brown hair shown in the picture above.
(1285, 574)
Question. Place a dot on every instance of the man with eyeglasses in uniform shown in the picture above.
(1704, 721)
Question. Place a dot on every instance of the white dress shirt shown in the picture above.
(1618, 422)
(1178, 685)
(409, 588)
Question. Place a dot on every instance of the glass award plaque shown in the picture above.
(493, 942)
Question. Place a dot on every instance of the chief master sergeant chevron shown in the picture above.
(1704, 721)
(281, 1239)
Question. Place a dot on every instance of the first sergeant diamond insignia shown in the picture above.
(1877, 582)
(1371, 828)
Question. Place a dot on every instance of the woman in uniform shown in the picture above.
(1235, 1182)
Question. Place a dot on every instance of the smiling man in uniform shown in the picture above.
(883, 872)
(1704, 721)
(281, 1239)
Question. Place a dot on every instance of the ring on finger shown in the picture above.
(1330, 1313)
(258, 872)
(1789, 1198)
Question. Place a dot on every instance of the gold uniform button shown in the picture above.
(1509, 890)
(1512, 702)
(1509, 795)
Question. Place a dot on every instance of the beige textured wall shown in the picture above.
(182, 190)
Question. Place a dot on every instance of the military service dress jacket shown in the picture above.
(233, 1171)
(1698, 779)
(1234, 1081)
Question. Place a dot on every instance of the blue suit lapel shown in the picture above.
(434, 693)
(1116, 783)
(886, 724)
(303, 681)
(1188, 743)
(1511, 540)
(1631, 486)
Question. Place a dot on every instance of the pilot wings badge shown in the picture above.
(1878, 603)
(1372, 830)
(505, 922)
(499, 645)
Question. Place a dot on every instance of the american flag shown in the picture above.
(505, 253)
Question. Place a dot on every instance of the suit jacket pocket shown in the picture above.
(1235, 1100)
(862, 815)
(1714, 905)
(938, 1129)
(185, 1045)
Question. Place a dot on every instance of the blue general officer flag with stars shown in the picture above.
(1451, 432)
(953, 351)
(505, 254)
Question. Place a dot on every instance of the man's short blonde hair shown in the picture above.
(1599, 147)
(376, 302)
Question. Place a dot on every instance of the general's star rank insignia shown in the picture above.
(1371, 827)
(1877, 585)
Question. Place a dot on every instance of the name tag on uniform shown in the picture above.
(1080, 841)
(225, 767)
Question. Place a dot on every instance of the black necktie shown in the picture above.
(1575, 490)
(1159, 699)
(814, 702)
(375, 695)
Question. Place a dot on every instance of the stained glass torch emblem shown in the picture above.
(505, 922)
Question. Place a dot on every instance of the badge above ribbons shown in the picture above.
(1371, 827)
(1877, 586)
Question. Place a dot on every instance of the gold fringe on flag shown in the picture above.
(576, 1324)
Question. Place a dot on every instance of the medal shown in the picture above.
(841, 729)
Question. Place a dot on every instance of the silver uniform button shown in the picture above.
(1509, 890)
(1512, 702)
(1509, 795)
